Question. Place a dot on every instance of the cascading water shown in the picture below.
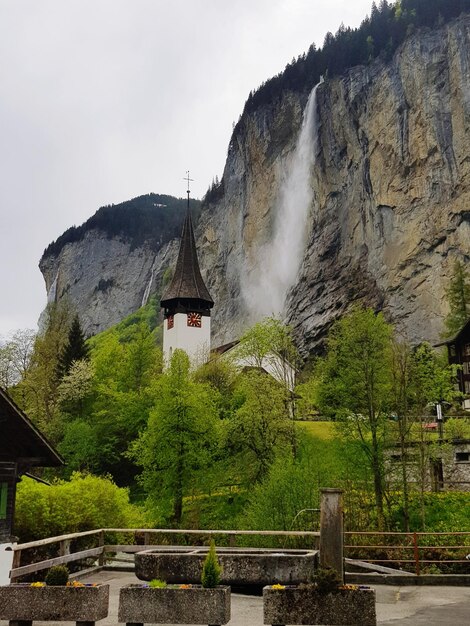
(280, 259)
(146, 295)
(52, 293)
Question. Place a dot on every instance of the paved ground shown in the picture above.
(396, 606)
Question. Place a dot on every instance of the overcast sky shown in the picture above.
(105, 100)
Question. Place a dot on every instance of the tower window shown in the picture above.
(170, 321)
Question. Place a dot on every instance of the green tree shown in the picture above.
(76, 387)
(75, 348)
(15, 357)
(260, 428)
(269, 346)
(431, 383)
(180, 437)
(356, 388)
(221, 375)
(458, 297)
(37, 393)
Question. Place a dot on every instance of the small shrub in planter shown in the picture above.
(55, 599)
(57, 576)
(211, 570)
(326, 601)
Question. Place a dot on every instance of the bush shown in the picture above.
(57, 576)
(156, 583)
(457, 428)
(84, 503)
(327, 580)
(211, 569)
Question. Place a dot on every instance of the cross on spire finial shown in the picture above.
(188, 179)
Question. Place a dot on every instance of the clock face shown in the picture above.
(170, 321)
(194, 320)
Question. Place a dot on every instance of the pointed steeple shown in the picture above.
(187, 282)
(187, 288)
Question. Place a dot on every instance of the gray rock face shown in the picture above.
(389, 212)
(105, 278)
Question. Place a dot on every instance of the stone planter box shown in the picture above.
(21, 602)
(169, 605)
(297, 605)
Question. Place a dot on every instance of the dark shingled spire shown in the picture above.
(187, 287)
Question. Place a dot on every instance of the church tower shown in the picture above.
(187, 303)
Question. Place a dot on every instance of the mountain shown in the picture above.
(109, 266)
(357, 190)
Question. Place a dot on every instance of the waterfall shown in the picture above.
(52, 293)
(146, 295)
(280, 259)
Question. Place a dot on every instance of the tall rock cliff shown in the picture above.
(388, 212)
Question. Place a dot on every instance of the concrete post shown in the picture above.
(331, 530)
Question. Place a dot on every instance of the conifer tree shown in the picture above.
(75, 349)
(458, 297)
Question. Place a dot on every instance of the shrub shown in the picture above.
(157, 584)
(327, 580)
(84, 503)
(211, 569)
(57, 576)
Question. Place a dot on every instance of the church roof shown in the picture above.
(187, 282)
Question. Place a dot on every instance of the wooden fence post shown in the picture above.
(416, 554)
(101, 557)
(331, 530)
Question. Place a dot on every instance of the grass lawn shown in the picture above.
(320, 430)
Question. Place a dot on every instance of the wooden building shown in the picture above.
(22, 447)
(458, 348)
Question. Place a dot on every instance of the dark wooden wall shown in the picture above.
(8, 474)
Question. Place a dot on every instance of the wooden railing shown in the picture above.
(400, 550)
(66, 555)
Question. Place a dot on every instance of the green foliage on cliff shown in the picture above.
(153, 218)
(379, 35)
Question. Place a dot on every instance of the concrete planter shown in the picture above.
(21, 602)
(240, 566)
(297, 605)
(196, 605)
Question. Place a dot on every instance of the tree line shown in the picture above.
(154, 219)
(378, 36)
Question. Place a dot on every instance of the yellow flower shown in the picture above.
(38, 584)
(278, 586)
(185, 586)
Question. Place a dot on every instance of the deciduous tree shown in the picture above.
(179, 439)
(458, 297)
(356, 388)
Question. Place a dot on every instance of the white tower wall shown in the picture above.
(195, 341)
